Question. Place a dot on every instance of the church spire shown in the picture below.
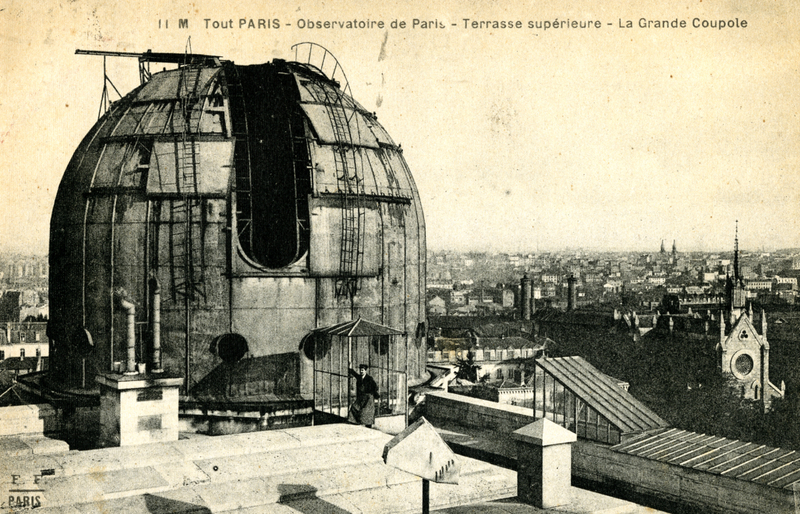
(735, 290)
(736, 277)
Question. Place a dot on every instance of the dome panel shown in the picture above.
(131, 120)
(380, 133)
(326, 240)
(384, 175)
(161, 86)
(211, 173)
(319, 89)
(353, 129)
(130, 162)
(114, 158)
(400, 171)
(165, 85)
(156, 118)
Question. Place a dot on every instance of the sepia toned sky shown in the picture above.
(519, 139)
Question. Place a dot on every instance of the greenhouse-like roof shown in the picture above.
(774, 467)
(602, 393)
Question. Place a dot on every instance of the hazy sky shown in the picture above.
(518, 139)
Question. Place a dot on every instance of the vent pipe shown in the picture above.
(155, 325)
(130, 309)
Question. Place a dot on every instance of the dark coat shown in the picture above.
(363, 409)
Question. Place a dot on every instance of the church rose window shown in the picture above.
(744, 364)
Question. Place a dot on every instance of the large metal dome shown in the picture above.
(262, 201)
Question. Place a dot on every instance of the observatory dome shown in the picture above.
(257, 205)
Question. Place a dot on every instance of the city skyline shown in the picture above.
(520, 140)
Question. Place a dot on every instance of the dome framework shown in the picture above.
(262, 202)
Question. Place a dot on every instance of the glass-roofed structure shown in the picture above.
(576, 395)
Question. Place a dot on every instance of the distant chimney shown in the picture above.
(525, 297)
(765, 397)
(572, 295)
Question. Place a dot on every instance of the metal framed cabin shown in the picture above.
(340, 348)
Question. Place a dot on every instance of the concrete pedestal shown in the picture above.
(137, 409)
(544, 464)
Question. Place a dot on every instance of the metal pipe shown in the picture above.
(155, 325)
(130, 308)
(426, 495)
(188, 321)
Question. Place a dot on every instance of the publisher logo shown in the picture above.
(23, 492)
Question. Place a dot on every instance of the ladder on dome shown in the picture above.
(187, 210)
(349, 177)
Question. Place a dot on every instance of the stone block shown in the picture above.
(72, 490)
(129, 482)
(207, 448)
(26, 465)
(255, 442)
(138, 457)
(335, 434)
(234, 495)
(63, 509)
(42, 445)
(166, 502)
(88, 462)
(27, 419)
(275, 508)
(404, 497)
(180, 473)
(13, 447)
